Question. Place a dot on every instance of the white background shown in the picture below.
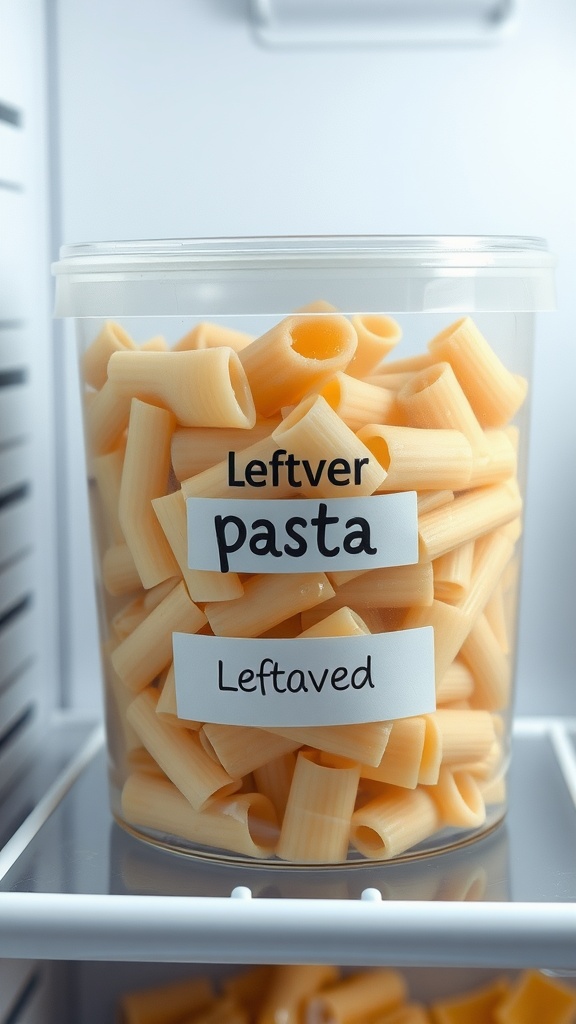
(171, 120)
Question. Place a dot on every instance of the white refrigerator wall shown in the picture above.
(173, 121)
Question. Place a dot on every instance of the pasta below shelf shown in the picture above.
(316, 994)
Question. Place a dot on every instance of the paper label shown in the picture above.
(307, 681)
(302, 535)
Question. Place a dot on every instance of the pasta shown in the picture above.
(317, 408)
(324, 994)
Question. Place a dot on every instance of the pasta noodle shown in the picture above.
(358, 402)
(366, 994)
(458, 799)
(111, 338)
(401, 760)
(377, 337)
(202, 388)
(417, 459)
(288, 987)
(267, 601)
(196, 449)
(144, 477)
(208, 335)
(242, 749)
(179, 754)
(433, 398)
(164, 1004)
(305, 351)
(316, 824)
(314, 432)
(494, 392)
(393, 822)
(243, 824)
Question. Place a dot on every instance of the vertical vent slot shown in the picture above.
(19, 1010)
(10, 115)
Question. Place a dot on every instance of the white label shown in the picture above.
(302, 535)
(309, 681)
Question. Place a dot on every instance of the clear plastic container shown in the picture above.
(306, 465)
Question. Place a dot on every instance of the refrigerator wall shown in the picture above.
(179, 122)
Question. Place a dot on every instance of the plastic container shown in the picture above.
(306, 462)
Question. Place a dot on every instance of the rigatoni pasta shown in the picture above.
(311, 411)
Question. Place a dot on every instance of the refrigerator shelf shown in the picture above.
(75, 886)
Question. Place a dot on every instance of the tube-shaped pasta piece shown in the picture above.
(241, 749)
(407, 364)
(480, 1004)
(501, 463)
(395, 586)
(393, 823)
(470, 515)
(457, 683)
(244, 823)
(466, 735)
(107, 471)
(223, 1010)
(317, 436)
(492, 554)
(489, 665)
(377, 620)
(248, 986)
(429, 500)
(132, 614)
(106, 417)
(165, 1004)
(144, 477)
(364, 743)
(119, 572)
(410, 1013)
(451, 627)
(431, 754)
(268, 600)
(316, 825)
(288, 990)
(202, 585)
(179, 754)
(458, 799)
(417, 459)
(392, 381)
(195, 449)
(400, 764)
(205, 388)
(227, 478)
(274, 780)
(494, 392)
(453, 573)
(495, 612)
(358, 403)
(539, 997)
(209, 335)
(362, 996)
(433, 398)
(147, 650)
(377, 336)
(297, 354)
(167, 707)
(111, 338)
(343, 622)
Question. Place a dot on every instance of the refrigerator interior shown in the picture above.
(141, 121)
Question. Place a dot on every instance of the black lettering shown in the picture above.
(318, 685)
(339, 673)
(339, 467)
(221, 524)
(301, 545)
(363, 675)
(291, 462)
(221, 686)
(358, 541)
(276, 461)
(300, 685)
(232, 481)
(264, 543)
(322, 521)
(314, 478)
(358, 463)
(266, 674)
(246, 676)
(256, 468)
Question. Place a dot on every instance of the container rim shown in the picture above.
(292, 250)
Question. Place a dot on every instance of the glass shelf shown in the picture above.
(74, 885)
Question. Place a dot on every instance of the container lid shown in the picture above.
(216, 277)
